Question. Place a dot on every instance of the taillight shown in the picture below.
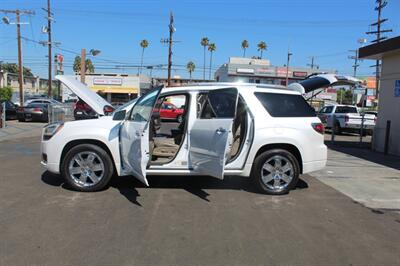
(37, 109)
(319, 127)
(346, 118)
(108, 109)
(20, 109)
(375, 118)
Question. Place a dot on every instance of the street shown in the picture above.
(182, 220)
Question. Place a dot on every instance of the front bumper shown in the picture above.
(50, 154)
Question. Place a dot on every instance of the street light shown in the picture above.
(6, 20)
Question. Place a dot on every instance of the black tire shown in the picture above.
(21, 119)
(337, 129)
(265, 157)
(105, 157)
(179, 118)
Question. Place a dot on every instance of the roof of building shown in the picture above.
(377, 50)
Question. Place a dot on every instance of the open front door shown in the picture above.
(211, 135)
(134, 136)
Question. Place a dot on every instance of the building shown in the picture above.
(32, 85)
(177, 81)
(249, 70)
(115, 88)
(389, 92)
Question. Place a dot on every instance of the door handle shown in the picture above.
(220, 130)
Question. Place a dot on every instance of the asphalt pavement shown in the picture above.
(182, 220)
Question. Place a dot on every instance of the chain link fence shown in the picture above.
(58, 113)
(2, 115)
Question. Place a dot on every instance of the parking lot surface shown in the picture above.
(182, 220)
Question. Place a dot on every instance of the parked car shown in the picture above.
(265, 132)
(10, 109)
(169, 111)
(36, 112)
(83, 111)
(346, 118)
(42, 100)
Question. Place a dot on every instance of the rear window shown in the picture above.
(285, 105)
(345, 109)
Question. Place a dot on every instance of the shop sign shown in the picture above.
(107, 81)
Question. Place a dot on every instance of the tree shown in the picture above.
(344, 96)
(204, 42)
(13, 68)
(5, 93)
(262, 46)
(211, 48)
(190, 68)
(77, 65)
(144, 44)
(245, 45)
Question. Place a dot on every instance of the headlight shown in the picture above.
(51, 129)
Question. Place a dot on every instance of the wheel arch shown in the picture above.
(283, 146)
(77, 142)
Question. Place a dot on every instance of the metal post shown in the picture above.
(3, 116)
(387, 137)
(20, 67)
(362, 127)
(333, 128)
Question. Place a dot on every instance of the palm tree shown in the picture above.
(144, 44)
(262, 46)
(190, 68)
(211, 47)
(245, 45)
(204, 42)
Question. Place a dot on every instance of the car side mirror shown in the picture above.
(120, 115)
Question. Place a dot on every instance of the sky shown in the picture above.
(325, 29)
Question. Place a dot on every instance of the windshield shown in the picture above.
(124, 106)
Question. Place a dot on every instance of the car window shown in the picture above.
(219, 103)
(345, 109)
(285, 105)
(143, 108)
(326, 110)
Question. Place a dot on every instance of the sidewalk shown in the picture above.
(17, 130)
(367, 177)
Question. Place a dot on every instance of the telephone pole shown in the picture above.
(170, 43)
(312, 65)
(49, 18)
(380, 5)
(289, 54)
(355, 58)
(83, 65)
(20, 66)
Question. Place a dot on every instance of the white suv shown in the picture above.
(265, 132)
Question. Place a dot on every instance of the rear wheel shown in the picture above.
(87, 167)
(275, 172)
(179, 118)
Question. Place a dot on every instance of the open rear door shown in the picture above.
(134, 136)
(322, 81)
(211, 135)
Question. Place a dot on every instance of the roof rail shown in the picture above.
(258, 85)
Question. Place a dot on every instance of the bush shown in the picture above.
(6, 93)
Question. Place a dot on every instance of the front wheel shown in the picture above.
(179, 118)
(275, 172)
(87, 168)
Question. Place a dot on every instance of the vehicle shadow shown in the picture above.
(195, 185)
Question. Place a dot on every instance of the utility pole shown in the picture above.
(312, 65)
(170, 42)
(83, 65)
(355, 58)
(20, 66)
(49, 18)
(380, 5)
(287, 67)
(171, 32)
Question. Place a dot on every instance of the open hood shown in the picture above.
(322, 81)
(95, 101)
